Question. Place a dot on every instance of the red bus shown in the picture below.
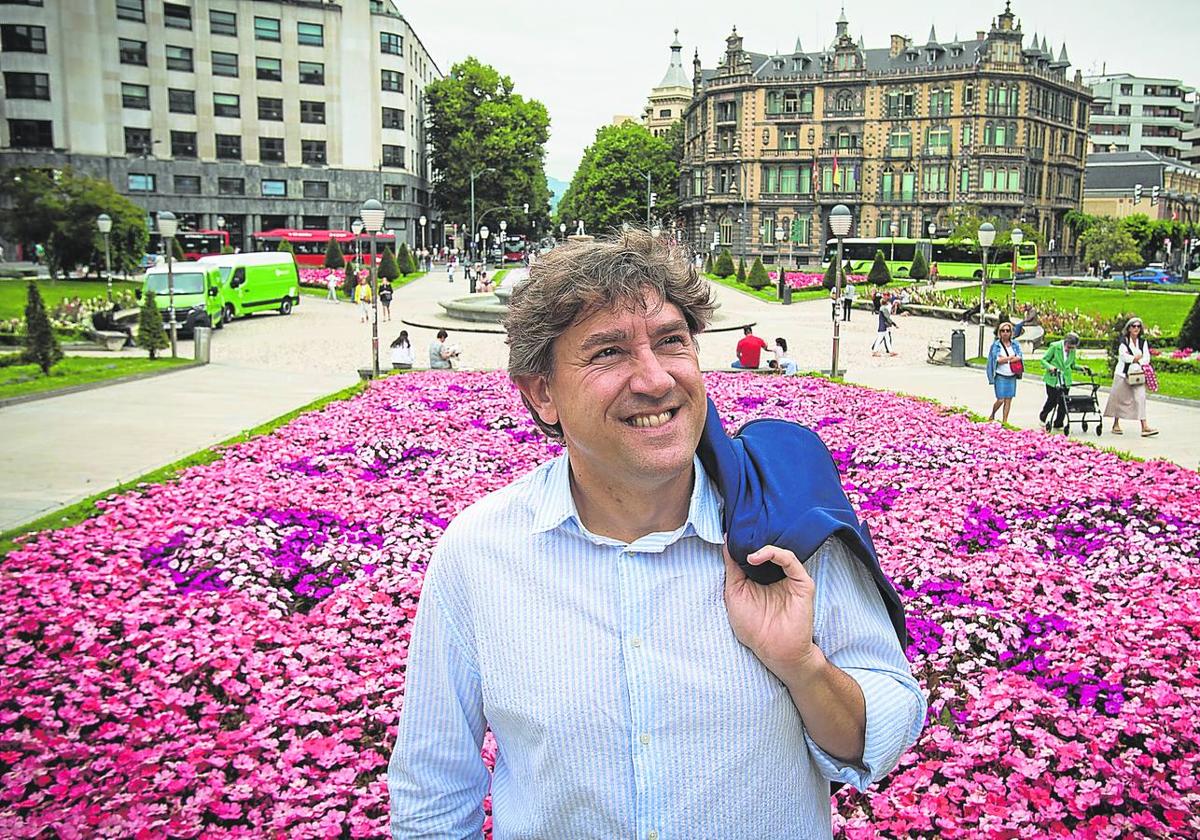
(195, 243)
(309, 245)
(514, 248)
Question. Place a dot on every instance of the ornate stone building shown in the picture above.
(900, 135)
(670, 97)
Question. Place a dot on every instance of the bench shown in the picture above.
(108, 339)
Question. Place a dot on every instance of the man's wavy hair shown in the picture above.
(577, 279)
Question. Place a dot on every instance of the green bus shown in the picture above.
(955, 260)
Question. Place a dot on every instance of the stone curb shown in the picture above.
(91, 386)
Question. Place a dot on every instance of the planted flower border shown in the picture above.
(223, 655)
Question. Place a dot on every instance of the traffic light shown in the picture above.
(1154, 195)
(653, 198)
(1137, 193)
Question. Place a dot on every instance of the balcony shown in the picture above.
(897, 197)
(992, 198)
(786, 198)
(840, 154)
(937, 151)
(935, 196)
(853, 113)
(789, 116)
(1000, 151)
(725, 119)
(787, 153)
(897, 152)
(834, 196)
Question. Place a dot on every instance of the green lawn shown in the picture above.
(1167, 311)
(1170, 383)
(19, 380)
(13, 293)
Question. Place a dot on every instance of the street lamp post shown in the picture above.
(894, 228)
(372, 213)
(779, 237)
(703, 234)
(104, 224)
(483, 235)
(356, 227)
(503, 234)
(1017, 236)
(562, 229)
(167, 225)
(839, 223)
(987, 235)
(423, 222)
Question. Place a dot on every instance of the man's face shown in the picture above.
(626, 389)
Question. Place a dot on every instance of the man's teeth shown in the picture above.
(649, 421)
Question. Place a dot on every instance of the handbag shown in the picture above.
(1017, 367)
(1151, 378)
(1135, 375)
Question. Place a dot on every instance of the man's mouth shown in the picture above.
(650, 421)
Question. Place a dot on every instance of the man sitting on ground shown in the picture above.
(749, 350)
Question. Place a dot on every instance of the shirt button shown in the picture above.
(636, 641)
(652, 835)
(644, 738)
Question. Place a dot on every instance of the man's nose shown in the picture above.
(650, 377)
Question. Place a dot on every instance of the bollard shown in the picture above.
(201, 344)
(787, 295)
(958, 348)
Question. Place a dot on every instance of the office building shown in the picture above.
(1139, 114)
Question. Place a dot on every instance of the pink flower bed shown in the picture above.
(222, 655)
(805, 280)
(320, 276)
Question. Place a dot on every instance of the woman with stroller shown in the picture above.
(1005, 364)
(1127, 399)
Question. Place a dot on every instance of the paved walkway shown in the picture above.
(56, 451)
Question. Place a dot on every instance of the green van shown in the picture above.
(196, 290)
(256, 282)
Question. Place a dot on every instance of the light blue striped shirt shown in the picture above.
(622, 704)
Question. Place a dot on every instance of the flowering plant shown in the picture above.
(320, 276)
(807, 280)
(223, 655)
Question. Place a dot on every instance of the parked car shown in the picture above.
(1153, 275)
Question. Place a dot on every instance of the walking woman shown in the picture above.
(1059, 362)
(1127, 399)
(883, 333)
(1005, 364)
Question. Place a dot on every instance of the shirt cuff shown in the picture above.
(895, 715)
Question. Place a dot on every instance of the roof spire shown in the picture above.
(675, 76)
(932, 34)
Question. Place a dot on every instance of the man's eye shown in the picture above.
(606, 353)
(675, 339)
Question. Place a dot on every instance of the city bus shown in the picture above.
(514, 248)
(195, 243)
(309, 245)
(959, 260)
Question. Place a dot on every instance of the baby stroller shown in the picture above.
(1080, 401)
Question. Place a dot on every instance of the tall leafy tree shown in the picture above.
(477, 122)
(58, 208)
(1110, 240)
(41, 345)
(609, 186)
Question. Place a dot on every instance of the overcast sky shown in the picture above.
(588, 61)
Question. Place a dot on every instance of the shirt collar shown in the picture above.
(557, 506)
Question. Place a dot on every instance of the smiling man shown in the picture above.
(638, 684)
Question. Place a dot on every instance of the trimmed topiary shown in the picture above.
(387, 265)
(920, 268)
(284, 245)
(333, 255)
(1189, 335)
(350, 280)
(151, 335)
(41, 344)
(830, 279)
(404, 260)
(757, 278)
(741, 272)
(879, 274)
(708, 264)
(724, 266)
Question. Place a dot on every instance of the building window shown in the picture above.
(964, 180)
(30, 134)
(935, 178)
(183, 144)
(274, 189)
(229, 147)
(938, 138)
(789, 138)
(393, 156)
(393, 118)
(315, 222)
(187, 184)
(222, 23)
(135, 96)
(941, 102)
(231, 186)
(179, 58)
(266, 29)
(226, 105)
(899, 104)
(725, 229)
(131, 10)
(270, 109)
(132, 52)
(312, 73)
(312, 112)
(224, 64)
(141, 182)
(270, 149)
(393, 80)
(391, 43)
(137, 140)
(312, 152)
(20, 38)
(181, 101)
(176, 16)
(900, 140)
(310, 34)
(316, 189)
(27, 85)
(968, 134)
(394, 192)
(1127, 90)
(268, 69)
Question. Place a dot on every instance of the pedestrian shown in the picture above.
(1, 253)
(1005, 365)
(749, 350)
(876, 301)
(402, 352)
(1127, 399)
(385, 298)
(1059, 362)
(588, 616)
(782, 360)
(442, 352)
(362, 296)
(883, 330)
(933, 274)
(39, 253)
(331, 284)
(450, 264)
(849, 295)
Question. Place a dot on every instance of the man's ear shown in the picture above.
(535, 388)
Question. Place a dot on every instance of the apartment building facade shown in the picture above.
(1140, 114)
(256, 113)
(899, 134)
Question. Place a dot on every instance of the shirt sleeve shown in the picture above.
(852, 628)
(436, 777)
